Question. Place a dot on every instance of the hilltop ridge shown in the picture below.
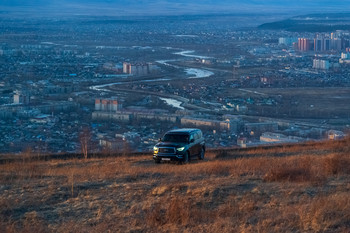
(325, 22)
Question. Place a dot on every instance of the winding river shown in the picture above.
(192, 72)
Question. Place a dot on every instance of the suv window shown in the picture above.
(196, 136)
(191, 137)
(175, 138)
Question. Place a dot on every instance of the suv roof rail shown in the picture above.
(183, 130)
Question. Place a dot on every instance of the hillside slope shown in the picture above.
(295, 188)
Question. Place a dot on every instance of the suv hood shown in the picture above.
(170, 144)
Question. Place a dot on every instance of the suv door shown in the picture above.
(199, 140)
(192, 145)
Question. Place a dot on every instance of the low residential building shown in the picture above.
(43, 119)
(5, 112)
(336, 134)
(155, 116)
(269, 137)
(320, 64)
(287, 40)
(119, 116)
(114, 144)
(21, 98)
(127, 116)
(345, 58)
(206, 123)
(242, 142)
(256, 129)
(242, 108)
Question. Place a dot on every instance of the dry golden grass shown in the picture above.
(300, 188)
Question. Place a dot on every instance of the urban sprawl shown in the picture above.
(123, 84)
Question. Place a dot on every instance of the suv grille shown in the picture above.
(167, 150)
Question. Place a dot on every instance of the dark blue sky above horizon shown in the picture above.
(164, 7)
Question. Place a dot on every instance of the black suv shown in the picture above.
(180, 145)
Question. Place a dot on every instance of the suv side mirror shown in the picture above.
(192, 140)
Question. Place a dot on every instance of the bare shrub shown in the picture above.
(337, 164)
(34, 223)
(345, 145)
(8, 227)
(155, 215)
(289, 174)
(230, 209)
(176, 212)
(297, 169)
(218, 168)
(72, 227)
(19, 171)
(85, 141)
(327, 214)
(180, 211)
(222, 154)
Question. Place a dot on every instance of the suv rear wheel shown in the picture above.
(201, 155)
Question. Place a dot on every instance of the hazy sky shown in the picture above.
(165, 7)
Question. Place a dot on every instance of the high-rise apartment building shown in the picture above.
(107, 105)
(304, 44)
(138, 69)
(323, 43)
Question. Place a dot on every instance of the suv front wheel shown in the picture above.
(186, 158)
(201, 154)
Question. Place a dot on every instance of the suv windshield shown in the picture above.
(176, 138)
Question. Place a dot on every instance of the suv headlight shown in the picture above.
(180, 148)
(155, 149)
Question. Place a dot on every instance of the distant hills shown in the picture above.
(165, 7)
(312, 23)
